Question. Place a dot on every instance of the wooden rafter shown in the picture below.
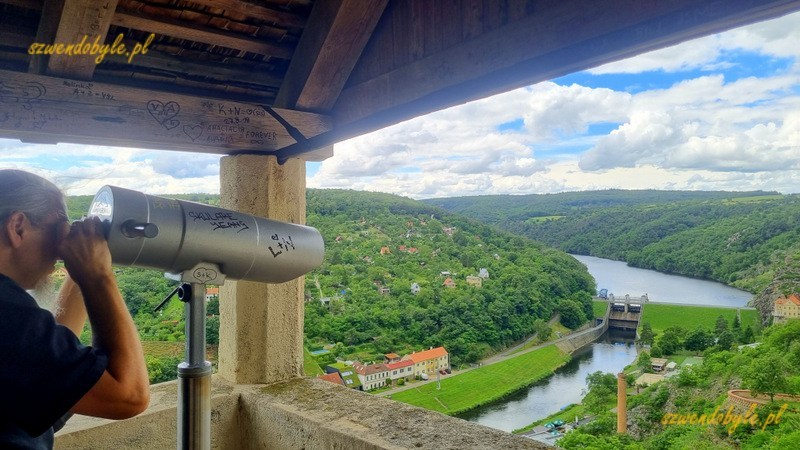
(336, 34)
(201, 34)
(39, 108)
(27, 4)
(70, 22)
(284, 18)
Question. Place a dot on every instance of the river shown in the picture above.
(621, 279)
(568, 383)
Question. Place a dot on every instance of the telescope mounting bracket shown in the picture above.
(202, 273)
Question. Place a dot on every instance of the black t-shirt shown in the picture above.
(44, 370)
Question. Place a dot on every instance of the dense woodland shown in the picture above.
(527, 281)
(750, 240)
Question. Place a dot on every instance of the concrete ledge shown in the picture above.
(300, 413)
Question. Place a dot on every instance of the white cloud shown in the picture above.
(777, 38)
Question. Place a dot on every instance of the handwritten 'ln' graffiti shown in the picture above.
(282, 244)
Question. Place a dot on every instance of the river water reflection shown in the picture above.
(611, 355)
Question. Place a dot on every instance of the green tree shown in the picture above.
(725, 340)
(748, 336)
(699, 340)
(646, 336)
(571, 314)
(542, 330)
(721, 326)
(767, 374)
(656, 352)
(602, 390)
(644, 362)
(671, 340)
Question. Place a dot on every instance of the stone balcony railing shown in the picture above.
(296, 414)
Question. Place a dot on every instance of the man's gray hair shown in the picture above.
(28, 193)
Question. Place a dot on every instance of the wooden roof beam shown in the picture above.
(205, 35)
(70, 22)
(336, 34)
(47, 109)
(282, 18)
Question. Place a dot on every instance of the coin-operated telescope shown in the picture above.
(199, 244)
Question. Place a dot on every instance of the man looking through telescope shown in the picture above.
(46, 373)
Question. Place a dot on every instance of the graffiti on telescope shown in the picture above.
(283, 244)
(205, 274)
(221, 220)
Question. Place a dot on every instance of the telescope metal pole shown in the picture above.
(194, 374)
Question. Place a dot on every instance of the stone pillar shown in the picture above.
(261, 325)
(622, 404)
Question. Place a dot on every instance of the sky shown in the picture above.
(718, 113)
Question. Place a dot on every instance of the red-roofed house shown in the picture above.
(401, 369)
(786, 308)
(429, 361)
(372, 376)
(449, 283)
(212, 292)
(334, 378)
(390, 358)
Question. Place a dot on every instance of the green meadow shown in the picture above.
(477, 387)
(690, 317)
(599, 308)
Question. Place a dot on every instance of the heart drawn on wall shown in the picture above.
(164, 113)
(193, 131)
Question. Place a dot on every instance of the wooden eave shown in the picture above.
(293, 77)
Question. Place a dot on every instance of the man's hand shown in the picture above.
(85, 251)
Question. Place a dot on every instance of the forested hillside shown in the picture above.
(508, 211)
(748, 241)
(379, 245)
(360, 301)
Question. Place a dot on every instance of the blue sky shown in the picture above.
(718, 113)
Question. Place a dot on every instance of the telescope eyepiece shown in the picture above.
(134, 229)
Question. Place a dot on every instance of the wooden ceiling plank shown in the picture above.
(35, 5)
(335, 37)
(188, 68)
(205, 35)
(282, 18)
(52, 109)
(46, 33)
(81, 21)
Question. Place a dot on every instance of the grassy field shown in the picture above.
(163, 349)
(310, 366)
(662, 317)
(750, 317)
(460, 393)
(599, 308)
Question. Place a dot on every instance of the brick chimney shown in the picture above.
(622, 404)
